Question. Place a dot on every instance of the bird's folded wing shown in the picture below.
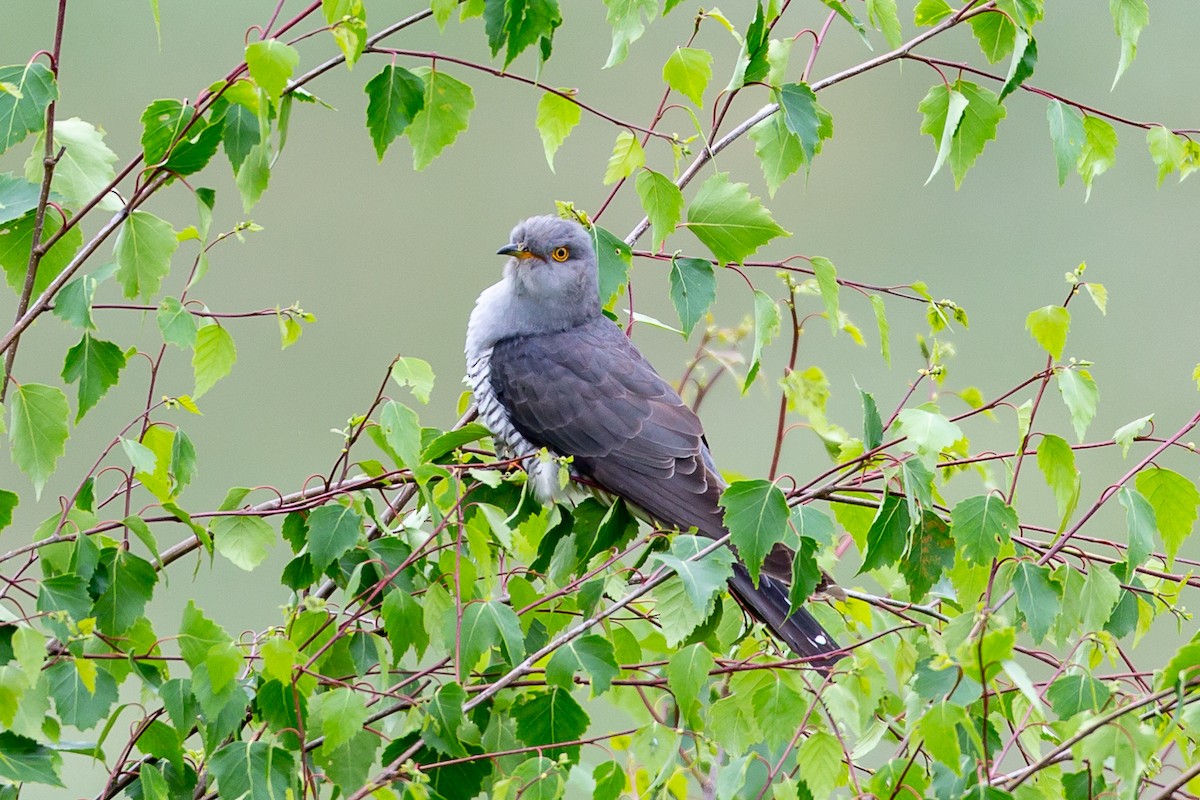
(589, 393)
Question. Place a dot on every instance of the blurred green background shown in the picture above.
(391, 260)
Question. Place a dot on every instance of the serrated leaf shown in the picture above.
(701, 577)
(996, 33)
(1081, 396)
(85, 167)
(271, 64)
(943, 110)
(939, 730)
(662, 202)
(821, 754)
(394, 97)
(244, 539)
(982, 525)
(927, 433)
(729, 221)
(627, 156)
(213, 358)
(556, 118)
(445, 114)
(16, 241)
(1125, 434)
(23, 760)
(1071, 694)
(143, 252)
(17, 197)
(1129, 17)
(1066, 135)
(752, 65)
(827, 282)
(931, 12)
(591, 654)
(693, 289)
(77, 703)
(1099, 295)
(242, 134)
(887, 537)
(778, 150)
(97, 365)
(130, 586)
(1168, 151)
(625, 19)
(930, 553)
(247, 770)
(883, 15)
(756, 515)
(1048, 326)
(688, 71)
(687, 671)
(767, 322)
(1038, 598)
(23, 107)
(37, 430)
(1056, 460)
(615, 258)
(1023, 63)
(1175, 501)
(544, 718)
(254, 174)
(176, 323)
(977, 122)
(487, 625)
(1099, 151)
(1141, 525)
(332, 530)
(340, 714)
(804, 117)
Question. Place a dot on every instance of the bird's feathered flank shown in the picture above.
(584, 390)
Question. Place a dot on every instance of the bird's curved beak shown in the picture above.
(517, 250)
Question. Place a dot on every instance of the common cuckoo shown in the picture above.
(549, 370)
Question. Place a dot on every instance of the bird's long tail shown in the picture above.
(800, 631)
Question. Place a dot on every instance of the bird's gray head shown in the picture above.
(552, 263)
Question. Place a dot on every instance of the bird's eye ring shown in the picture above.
(560, 254)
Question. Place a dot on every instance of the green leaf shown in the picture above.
(687, 672)
(767, 322)
(348, 22)
(609, 778)
(821, 754)
(693, 289)
(1141, 524)
(37, 430)
(730, 222)
(1023, 62)
(17, 197)
(756, 515)
(776, 699)
(827, 282)
(177, 325)
(1080, 394)
(1129, 17)
(882, 14)
(244, 539)
(271, 64)
(627, 156)
(97, 365)
(1175, 501)
(414, 374)
(447, 109)
(556, 118)
(8, 502)
(591, 654)
(939, 730)
(1067, 136)
(253, 771)
(241, 134)
(931, 12)
(79, 704)
(23, 760)
(778, 150)
(996, 33)
(1056, 460)
(518, 25)
(552, 716)
(131, 582)
(688, 71)
(1125, 434)
(332, 530)
(213, 359)
(662, 201)
(402, 431)
(976, 124)
(805, 117)
(340, 713)
(701, 578)
(1038, 598)
(1168, 151)
(162, 123)
(1070, 694)
(445, 719)
(982, 525)
(484, 626)
(86, 165)
(1182, 665)
(872, 423)
(198, 635)
(885, 346)
(1099, 151)
(615, 259)
(143, 252)
(394, 97)
(254, 174)
(752, 65)
(927, 433)
(23, 111)
(16, 242)
(887, 537)
(625, 19)
(1048, 326)
(930, 554)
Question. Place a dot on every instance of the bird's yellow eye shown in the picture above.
(560, 254)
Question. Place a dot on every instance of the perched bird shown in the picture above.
(549, 370)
